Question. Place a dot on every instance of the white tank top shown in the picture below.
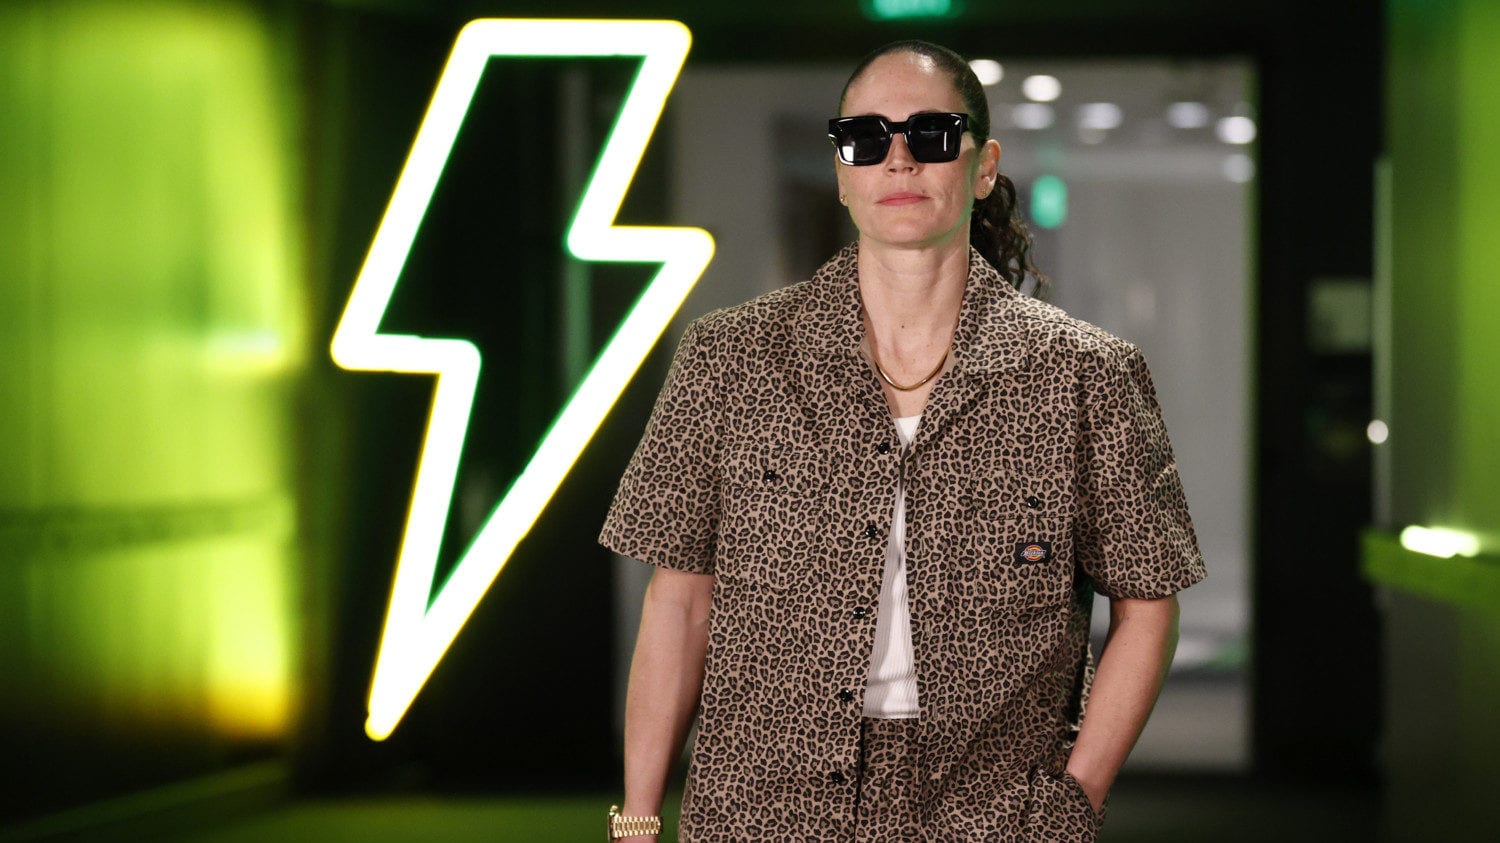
(891, 690)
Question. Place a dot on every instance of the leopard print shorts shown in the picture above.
(888, 807)
(886, 802)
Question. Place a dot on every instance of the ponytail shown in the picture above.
(998, 232)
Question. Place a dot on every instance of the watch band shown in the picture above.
(623, 826)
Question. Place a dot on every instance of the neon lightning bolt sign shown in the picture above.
(417, 634)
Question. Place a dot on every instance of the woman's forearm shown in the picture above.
(666, 678)
(1132, 668)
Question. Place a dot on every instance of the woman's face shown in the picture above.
(902, 202)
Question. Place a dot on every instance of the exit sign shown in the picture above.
(910, 9)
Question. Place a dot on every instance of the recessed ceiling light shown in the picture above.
(1041, 88)
(1236, 129)
(1188, 115)
(989, 71)
(1239, 168)
(1032, 115)
(1100, 115)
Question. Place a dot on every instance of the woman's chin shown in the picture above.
(907, 237)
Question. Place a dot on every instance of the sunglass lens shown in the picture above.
(863, 140)
(934, 138)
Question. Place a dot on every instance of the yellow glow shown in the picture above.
(415, 636)
(1440, 542)
(152, 317)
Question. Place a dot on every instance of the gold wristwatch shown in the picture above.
(623, 826)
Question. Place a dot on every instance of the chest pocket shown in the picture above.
(1014, 548)
(772, 532)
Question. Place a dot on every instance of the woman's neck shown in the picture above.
(911, 302)
(912, 297)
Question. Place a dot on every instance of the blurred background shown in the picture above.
(1289, 206)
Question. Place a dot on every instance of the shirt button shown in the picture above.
(871, 532)
(846, 696)
(836, 777)
(1033, 501)
(883, 447)
(860, 613)
(769, 476)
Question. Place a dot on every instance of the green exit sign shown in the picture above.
(910, 9)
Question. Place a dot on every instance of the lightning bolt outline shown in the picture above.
(417, 635)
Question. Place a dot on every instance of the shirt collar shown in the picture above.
(989, 336)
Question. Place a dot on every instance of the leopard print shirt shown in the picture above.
(1041, 473)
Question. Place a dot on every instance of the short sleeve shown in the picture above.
(1134, 535)
(666, 509)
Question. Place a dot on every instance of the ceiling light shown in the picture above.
(1041, 88)
(1239, 168)
(989, 71)
(1100, 115)
(1032, 116)
(1236, 129)
(1188, 115)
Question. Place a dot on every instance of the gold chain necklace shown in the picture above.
(887, 378)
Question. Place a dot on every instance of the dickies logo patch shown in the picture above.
(1031, 553)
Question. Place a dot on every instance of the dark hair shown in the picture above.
(995, 228)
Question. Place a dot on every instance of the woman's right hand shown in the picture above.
(666, 678)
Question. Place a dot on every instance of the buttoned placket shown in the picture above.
(884, 462)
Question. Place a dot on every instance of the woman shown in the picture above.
(880, 503)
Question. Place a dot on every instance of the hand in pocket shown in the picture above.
(1060, 810)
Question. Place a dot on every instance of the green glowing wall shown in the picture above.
(1444, 142)
(1442, 737)
(151, 331)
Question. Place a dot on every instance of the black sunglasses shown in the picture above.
(932, 138)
